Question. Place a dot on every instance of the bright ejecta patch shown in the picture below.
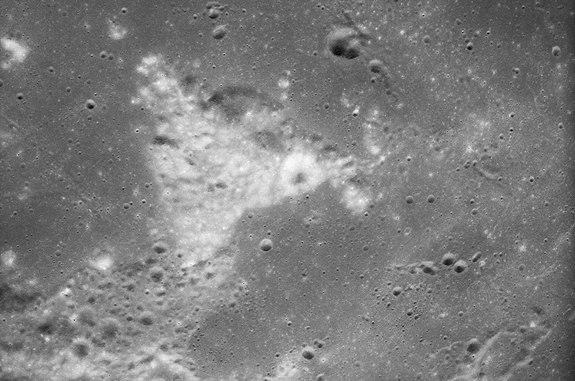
(17, 52)
(8, 258)
(214, 157)
(300, 172)
(116, 31)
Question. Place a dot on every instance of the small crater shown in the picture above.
(87, 316)
(319, 343)
(160, 247)
(460, 266)
(376, 66)
(214, 9)
(473, 345)
(345, 43)
(308, 353)
(157, 273)
(146, 318)
(80, 348)
(448, 259)
(266, 244)
(90, 104)
(109, 328)
(429, 268)
(219, 32)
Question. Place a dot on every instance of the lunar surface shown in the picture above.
(287, 190)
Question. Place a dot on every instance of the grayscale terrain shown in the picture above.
(287, 190)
